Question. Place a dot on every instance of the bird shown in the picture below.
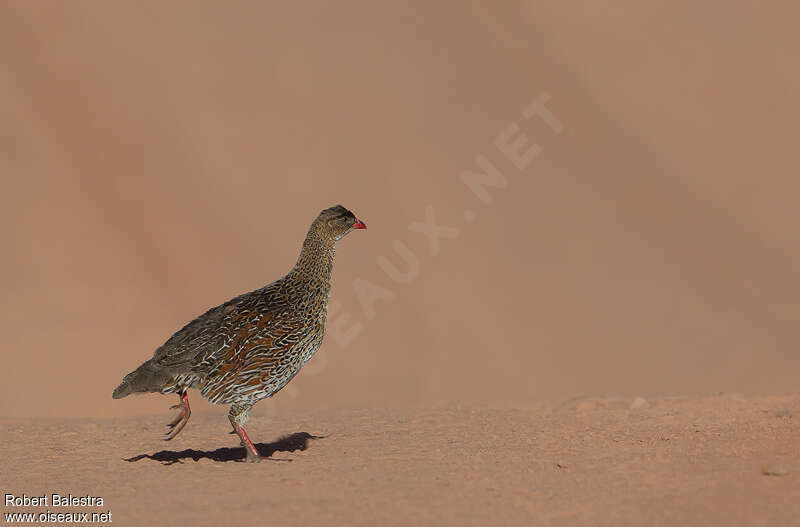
(251, 346)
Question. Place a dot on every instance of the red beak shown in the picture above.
(359, 225)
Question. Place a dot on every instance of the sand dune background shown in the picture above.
(160, 158)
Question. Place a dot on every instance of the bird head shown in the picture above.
(337, 222)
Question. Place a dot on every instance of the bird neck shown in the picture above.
(315, 263)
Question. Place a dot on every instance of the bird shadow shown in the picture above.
(290, 443)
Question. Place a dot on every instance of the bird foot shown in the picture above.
(252, 458)
(177, 424)
(253, 455)
(258, 458)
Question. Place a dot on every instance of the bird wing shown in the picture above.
(257, 356)
(254, 319)
(197, 338)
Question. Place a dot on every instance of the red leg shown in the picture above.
(177, 424)
(252, 453)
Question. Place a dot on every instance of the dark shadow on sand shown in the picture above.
(290, 443)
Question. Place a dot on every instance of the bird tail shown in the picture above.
(123, 390)
(146, 378)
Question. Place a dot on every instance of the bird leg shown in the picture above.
(252, 453)
(177, 424)
(238, 417)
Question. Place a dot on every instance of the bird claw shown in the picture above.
(253, 459)
(177, 424)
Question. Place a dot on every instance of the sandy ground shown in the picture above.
(722, 460)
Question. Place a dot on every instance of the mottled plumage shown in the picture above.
(251, 346)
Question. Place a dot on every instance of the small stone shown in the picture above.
(774, 469)
(639, 403)
(783, 413)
